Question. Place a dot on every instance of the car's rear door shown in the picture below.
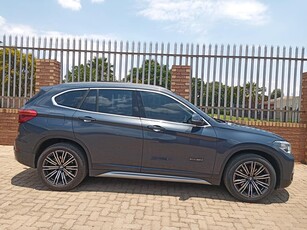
(108, 124)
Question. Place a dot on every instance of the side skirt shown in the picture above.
(156, 177)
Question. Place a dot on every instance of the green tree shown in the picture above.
(278, 93)
(210, 89)
(90, 70)
(137, 74)
(236, 89)
(254, 93)
(21, 74)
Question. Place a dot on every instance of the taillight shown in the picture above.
(26, 115)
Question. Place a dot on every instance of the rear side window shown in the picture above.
(89, 103)
(71, 99)
(116, 102)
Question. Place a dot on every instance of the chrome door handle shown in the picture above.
(87, 119)
(156, 128)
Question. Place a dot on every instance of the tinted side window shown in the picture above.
(71, 98)
(115, 102)
(89, 103)
(161, 107)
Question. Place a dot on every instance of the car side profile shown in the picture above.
(135, 131)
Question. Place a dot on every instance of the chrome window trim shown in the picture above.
(130, 89)
(82, 110)
(66, 91)
(173, 122)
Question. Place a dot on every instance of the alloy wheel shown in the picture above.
(251, 179)
(60, 167)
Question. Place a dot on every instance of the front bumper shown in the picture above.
(287, 171)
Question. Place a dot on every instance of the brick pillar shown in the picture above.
(47, 73)
(181, 80)
(303, 112)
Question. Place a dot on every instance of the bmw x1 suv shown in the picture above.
(138, 131)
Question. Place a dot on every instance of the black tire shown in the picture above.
(250, 178)
(62, 166)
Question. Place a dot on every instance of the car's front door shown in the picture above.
(108, 124)
(172, 145)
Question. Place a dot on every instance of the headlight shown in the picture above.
(283, 145)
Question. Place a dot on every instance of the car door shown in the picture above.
(108, 124)
(172, 145)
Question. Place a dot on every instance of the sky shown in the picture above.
(252, 22)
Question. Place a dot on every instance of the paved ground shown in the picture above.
(130, 204)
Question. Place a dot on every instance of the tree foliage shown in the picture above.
(250, 91)
(278, 93)
(18, 73)
(148, 71)
(93, 68)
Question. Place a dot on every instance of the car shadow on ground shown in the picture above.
(30, 179)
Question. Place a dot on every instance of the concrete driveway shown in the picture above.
(102, 203)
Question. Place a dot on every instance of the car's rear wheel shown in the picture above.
(250, 177)
(62, 166)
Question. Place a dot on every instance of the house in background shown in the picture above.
(283, 104)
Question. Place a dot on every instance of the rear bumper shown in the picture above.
(22, 155)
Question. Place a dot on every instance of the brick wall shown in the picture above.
(181, 80)
(47, 73)
(8, 126)
(303, 113)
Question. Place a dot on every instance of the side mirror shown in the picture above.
(197, 120)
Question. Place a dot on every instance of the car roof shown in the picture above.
(74, 85)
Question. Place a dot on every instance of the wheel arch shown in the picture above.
(269, 157)
(54, 140)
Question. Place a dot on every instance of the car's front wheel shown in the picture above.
(250, 177)
(62, 166)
